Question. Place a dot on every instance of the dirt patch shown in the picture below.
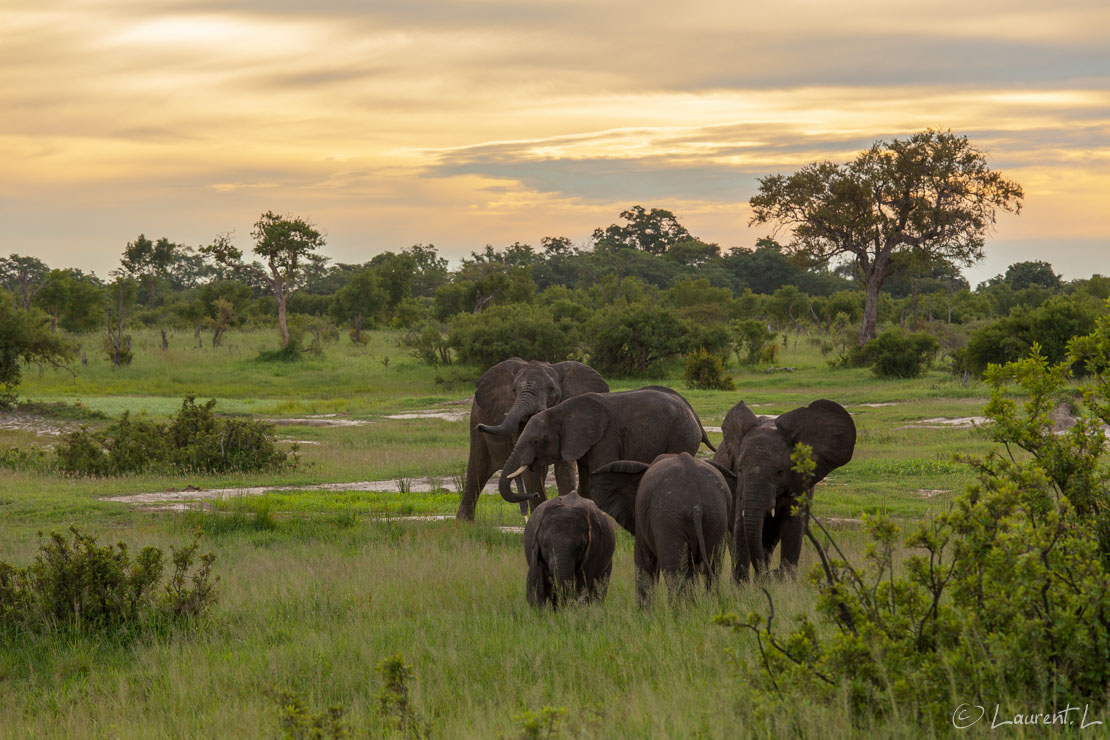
(397, 485)
(964, 422)
(16, 421)
(319, 420)
(930, 492)
(457, 415)
(878, 405)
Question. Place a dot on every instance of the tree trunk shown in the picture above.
(873, 281)
(165, 342)
(282, 325)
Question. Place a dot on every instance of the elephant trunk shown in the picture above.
(514, 467)
(527, 403)
(753, 537)
(562, 576)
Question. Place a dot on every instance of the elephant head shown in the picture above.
(566, 432)
(520, 389)
(758, 450)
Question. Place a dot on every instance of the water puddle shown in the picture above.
(321, 420)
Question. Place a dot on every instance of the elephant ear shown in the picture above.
(613, 489)
(577, 379)
(494, 391)
(738, 421)
(584, 423)
(826, 427)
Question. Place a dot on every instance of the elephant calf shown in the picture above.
(679, 508)
(569, 545)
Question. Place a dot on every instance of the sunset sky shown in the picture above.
(493, 121)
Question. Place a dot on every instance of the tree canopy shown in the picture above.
(931, 192)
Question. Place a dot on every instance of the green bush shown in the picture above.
(500, 332)
(751, 337)
(895, 354)
(1008, 595)
(707, 371)
(633, 340)
(195, 441)
(1051, 326)
(25, 337)
(82, 586)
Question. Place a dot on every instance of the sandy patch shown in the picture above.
(940, 422)
(321, 420)
(458, 415)
(878, 405)
(18, 422)
(930, 492)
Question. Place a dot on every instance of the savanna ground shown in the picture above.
(318, 586)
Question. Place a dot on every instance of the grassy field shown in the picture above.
(318, 586)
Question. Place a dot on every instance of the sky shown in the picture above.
(390, 122)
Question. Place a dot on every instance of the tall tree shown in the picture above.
(653, 231)
(358, 302)
(931, 192)
(149, 261)
(24, 338)
(288, 245)
(24, 276)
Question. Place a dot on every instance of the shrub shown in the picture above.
(499, 332)
(707, 371)
(1009, 595)
(25, 337)
(82, 586)
(895, 354)
(1051, 326)
(634, 340)
(195, 441)
(751, 336)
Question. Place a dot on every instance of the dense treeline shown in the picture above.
(641, 292)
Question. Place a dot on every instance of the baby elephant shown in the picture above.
(679, 508)
(569, 544)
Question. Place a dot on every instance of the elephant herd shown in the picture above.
(631, 455)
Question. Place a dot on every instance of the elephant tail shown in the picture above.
(700, 532)
(705, 439)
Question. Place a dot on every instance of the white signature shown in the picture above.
(967, 715)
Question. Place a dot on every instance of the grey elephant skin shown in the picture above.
(569, 546)
(594, 429)
(757, 450)
(679, 508)
(506, 397)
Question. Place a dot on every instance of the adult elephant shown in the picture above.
(597, 428)
(680, 510)
(757, 449)
(507, 395)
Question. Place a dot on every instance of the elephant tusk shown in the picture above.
(517, 472)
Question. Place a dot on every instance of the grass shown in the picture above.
(318, 586)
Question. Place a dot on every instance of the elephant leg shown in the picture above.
(565, 478)
(534, 484)
(597, 584)
(538, 585)
(647, 571)
(740, 559)
(792, 533)
(676, 560)
(479, 469)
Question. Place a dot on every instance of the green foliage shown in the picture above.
(1051, 326)
(85, 587)
(545, 723)
(1008, 596)
(298, 723)
(289, 352)
(25, 337)
(751, 337)
(429, 343)
(896, 354)
(23, 458)
(359, 303)
(633, 340)
(499, 332)
(395, 702)
(706, 371)
(195, 441)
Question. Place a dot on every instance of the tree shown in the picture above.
(149, 261)
(71, 299)
(287, 244)
(653, 231)
(358, 303)
(931, 192)
(1021, 275)
(120, 296)
(25, 338)
(24, 276)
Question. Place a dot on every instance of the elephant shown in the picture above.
(680, 510)
(569, 546)
(507, 395)
(598, 428)
(758, 450)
